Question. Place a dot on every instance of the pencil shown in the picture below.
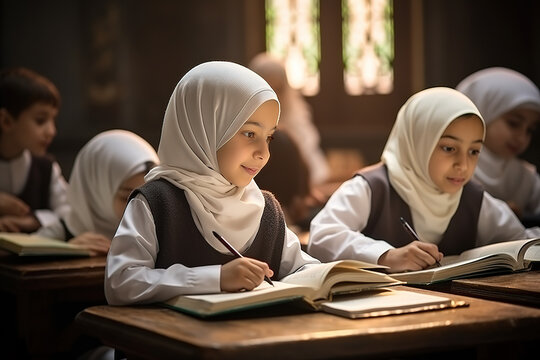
(413, 233)
(235, 252)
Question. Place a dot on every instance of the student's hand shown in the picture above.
(414, 256)
(96, 243)
(12, 205)
(243, 274)
(27, 223)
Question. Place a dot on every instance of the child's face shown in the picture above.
(124, 190)
(510, 134)
(454, 158)
(246, 153)
(34, 129)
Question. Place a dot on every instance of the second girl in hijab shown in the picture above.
(217, 126)
(106, 170)
(427, 163)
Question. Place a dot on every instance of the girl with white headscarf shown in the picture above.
(510, 105)
(105, 171)
(362, 218)
(165, 245)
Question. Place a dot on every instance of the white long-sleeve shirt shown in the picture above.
(336, 231)
(14, 174)
(130, 276)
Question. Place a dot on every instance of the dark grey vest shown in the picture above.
(181, 242)
(36, 191)
(387, 207)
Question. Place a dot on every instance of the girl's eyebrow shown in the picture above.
(256, 123)
(458, 139)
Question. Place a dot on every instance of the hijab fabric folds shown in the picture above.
(496, 91)
(206, 109)
(100, 167)
(419, 125)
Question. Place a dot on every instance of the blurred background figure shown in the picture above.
(510, 105)
(296, 118)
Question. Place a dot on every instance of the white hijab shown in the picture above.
(100, 167)
(206, 109)
(496, 91)
(419, 125)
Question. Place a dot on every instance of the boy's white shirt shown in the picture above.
(130, 276)
(336, 231)
(14, 177)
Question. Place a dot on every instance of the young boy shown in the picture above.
(32, 188)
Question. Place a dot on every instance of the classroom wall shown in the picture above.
(116, 62)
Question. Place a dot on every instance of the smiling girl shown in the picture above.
(215, 139)
(427, 163)
(510, 105)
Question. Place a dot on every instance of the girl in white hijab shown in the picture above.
(217, 126)
(424, 176)
(106, 170)
(510, 105)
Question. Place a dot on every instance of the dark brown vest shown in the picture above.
(387, 207)
(181, 242)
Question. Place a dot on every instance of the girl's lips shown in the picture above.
(456, 181)
(251, 171)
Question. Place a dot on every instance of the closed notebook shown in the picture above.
(386, 302)
(33, 245)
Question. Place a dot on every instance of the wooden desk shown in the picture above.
(41, 297)
(153, 332)
(517, 288)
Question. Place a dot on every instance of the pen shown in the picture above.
(235, 252)
(413, 233)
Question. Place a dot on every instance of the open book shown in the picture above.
(33, 245)
(314, 284)
(494, 258)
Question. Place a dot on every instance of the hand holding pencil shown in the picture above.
(242, 273)
(417, 255)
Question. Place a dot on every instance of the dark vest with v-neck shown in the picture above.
(36, 191)
(387, 207)
(181, 242)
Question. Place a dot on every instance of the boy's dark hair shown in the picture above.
(20, 88)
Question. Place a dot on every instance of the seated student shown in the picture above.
(286, 175)
(106, 170)
(217, 126)
(510, 105)
(295, 116)
(424, 176)
(32, 188)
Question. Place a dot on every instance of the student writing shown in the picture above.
(510, 105)
(106, 170)
(32, 188)
(423, 176)
(216, 129)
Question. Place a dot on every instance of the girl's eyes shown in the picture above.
(251, 135)
(450, 149)
(447, 148)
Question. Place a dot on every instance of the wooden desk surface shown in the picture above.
(155, 332)
(518, 288)
(40, 297)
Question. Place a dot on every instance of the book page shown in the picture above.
(512, 248)
(353, 275)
